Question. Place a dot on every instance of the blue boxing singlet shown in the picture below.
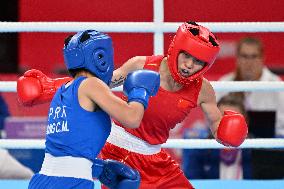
(73, 131)
(74, 138)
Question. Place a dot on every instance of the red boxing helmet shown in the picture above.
(197, 41)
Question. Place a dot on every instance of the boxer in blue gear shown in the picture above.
(79, 118)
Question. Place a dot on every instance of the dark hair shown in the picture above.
(74, 72)
(234, 99)
(251, 41)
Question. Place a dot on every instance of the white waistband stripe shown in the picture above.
(121, 138)
(67, 166)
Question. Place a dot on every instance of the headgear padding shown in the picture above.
(93, 53)
(197, 41)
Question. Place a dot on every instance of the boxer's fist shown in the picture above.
(140, 85)
(232, 129)
(34, 87)
(115, 175)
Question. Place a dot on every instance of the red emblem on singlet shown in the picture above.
(182, 103)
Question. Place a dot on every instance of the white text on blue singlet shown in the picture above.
(57, 120)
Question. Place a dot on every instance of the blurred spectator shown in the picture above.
(200, 163)
(234, 163)
(217, 163)
(10, 168)
(4, 112)
(265, 109)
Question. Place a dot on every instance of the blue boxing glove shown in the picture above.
(98, 167)
(140, 85)
(116, 175)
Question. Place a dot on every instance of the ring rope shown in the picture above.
(137, 27)
(171, 143)
(150, 27)
(219, 86)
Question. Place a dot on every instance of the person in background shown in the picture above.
(265, 109)
(227, 163)
(4, 113)
(250, 66)
(10, 168)
(234, 163)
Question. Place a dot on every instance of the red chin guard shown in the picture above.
(199, 42)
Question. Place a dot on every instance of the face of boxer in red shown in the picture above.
(188, 65)
(192, 42)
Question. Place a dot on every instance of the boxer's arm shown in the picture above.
(129, 113)
(229, 129)
(208, 104)
(119, 75)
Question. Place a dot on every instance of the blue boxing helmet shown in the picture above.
(91, 50)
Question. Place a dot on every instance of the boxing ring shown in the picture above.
(158, 27)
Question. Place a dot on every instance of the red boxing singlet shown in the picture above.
(166, 109)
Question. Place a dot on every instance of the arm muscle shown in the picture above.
(207, 101)
(119, 75)
(129, 114)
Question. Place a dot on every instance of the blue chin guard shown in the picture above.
(94, 54)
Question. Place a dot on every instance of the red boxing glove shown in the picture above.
(34, 87)
(232, 129)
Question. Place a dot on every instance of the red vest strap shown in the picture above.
(153, 62)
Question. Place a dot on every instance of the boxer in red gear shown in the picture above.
(191, 53)
(183, 87)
